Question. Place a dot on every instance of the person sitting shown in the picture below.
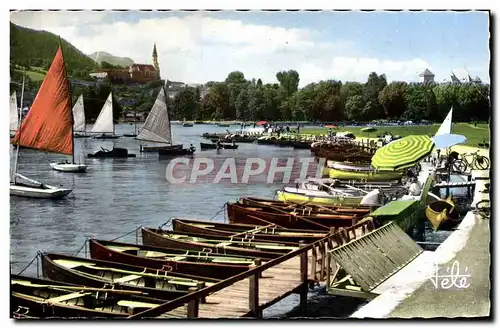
(192, 148)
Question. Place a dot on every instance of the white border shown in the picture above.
(180, 4)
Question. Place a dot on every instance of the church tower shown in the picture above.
(155, 60)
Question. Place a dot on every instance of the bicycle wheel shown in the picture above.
(481, 163)
(458, 166)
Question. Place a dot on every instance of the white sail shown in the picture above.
(14, 113)
(157, 125)
(445, 127)
(104, 122)
(79, 115)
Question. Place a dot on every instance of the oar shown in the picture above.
(88, 289)
(253, 231)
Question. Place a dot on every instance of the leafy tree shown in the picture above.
(373, 109)
(392, 99)
(354, 107)
(289, 81)
(185, 103)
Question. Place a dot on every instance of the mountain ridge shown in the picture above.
(100, 56)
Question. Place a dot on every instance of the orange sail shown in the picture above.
(48, 126)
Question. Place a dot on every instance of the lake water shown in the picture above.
(116, 196)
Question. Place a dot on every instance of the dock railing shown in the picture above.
(320, 247)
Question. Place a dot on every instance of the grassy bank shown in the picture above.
(474, 134)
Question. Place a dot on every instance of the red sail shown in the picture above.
(49, 123)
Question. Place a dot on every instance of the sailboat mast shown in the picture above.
(169, 123)
(20, 115)
(71, 104)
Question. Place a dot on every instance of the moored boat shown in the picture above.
(114, 153)
(49, 299)
(219, 244)
(237, 213)
(97, 273)
(200, 263)
(204, 146)
(256, 232)
(359, 172)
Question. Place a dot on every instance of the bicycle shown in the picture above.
(483, 208)
(478, 162)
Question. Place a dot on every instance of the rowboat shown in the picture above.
(442, 214)
(204, 146)
(219, 244)
(304, 209)
(49, 299)
(200, 263)
(359, 172)
(288, 219)
(96, 273)
(299, 195)
(336, 192)
(255, 232)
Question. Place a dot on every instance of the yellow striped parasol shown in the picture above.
(402, 153)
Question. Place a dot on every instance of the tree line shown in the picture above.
(237, 98)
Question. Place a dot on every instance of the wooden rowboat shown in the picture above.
(304, 207)
(48, 299)
(218, 244)
(255, 232)
(96, 273)
(197, 263)
(287, 219)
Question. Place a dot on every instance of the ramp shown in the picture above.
(371, 259)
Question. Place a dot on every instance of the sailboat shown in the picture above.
(14, 114)
(157, 127)
(79, 118)
(104, 123)
(445, 127)
(48, 126)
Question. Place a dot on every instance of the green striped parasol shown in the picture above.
(402, 153)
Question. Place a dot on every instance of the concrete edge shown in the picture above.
(383, 305)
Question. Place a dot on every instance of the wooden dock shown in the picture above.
(249, 293)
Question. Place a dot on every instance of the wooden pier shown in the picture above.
(249, 293)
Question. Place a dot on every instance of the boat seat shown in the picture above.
(70, 264)
(178, 258)
(155, 254)
(126, 278)
(223, 244)
(135, 305)
(113, 309)
(66, 297)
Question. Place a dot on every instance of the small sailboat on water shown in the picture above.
(157, 127)
(79, 126)
(48, 126)
(14, 114)
(72, 166)
(104, 123)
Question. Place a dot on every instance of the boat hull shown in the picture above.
(265, 234)
(301, 198)
(69, 167)
(106, 137)
(34, 192)
(255, 215)
(99, 251)
(175, 152)
(155, 149)
(56, 272)
(204, 146)
(114, 153)
(374, 175)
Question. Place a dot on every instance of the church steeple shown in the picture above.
(155, 60)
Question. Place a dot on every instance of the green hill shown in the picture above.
(101, 56)
(37, 49)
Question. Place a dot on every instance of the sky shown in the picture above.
(201, 46)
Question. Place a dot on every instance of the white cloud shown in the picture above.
(197, 48)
